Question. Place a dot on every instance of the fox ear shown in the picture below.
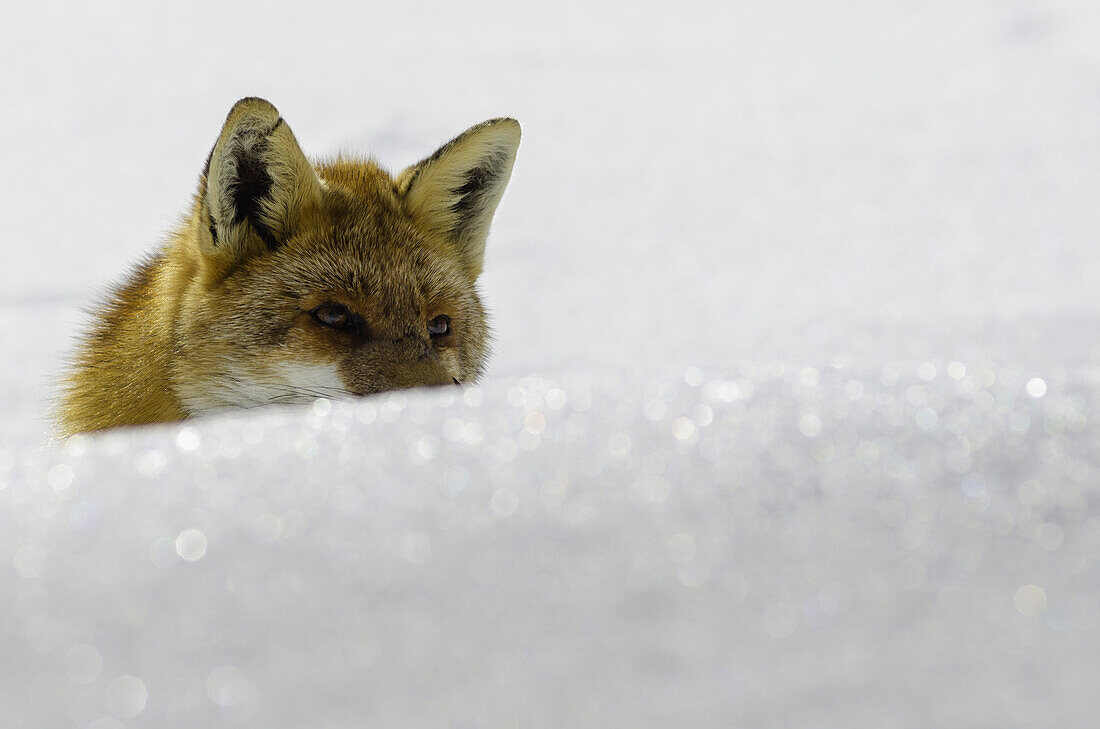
(256, 183)
(456, 191)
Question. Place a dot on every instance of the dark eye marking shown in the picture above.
(337, 316)
(439, 326)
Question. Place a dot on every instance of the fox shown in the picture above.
(290, 280)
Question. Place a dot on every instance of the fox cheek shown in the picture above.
(314, 380)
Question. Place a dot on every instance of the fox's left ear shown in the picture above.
(256, 185)
(456, 191)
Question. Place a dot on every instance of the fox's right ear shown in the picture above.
(256, 185)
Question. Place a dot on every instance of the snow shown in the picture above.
(791, 416)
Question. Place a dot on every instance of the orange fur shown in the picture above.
(231, 311)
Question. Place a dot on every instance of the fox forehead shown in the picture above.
(391, 279)
(362, 243)
(362, 179)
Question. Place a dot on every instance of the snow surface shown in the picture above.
(791, 419)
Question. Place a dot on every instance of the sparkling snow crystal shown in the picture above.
(792, 417)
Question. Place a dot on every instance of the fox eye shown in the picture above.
(335, 316)
(439, 326)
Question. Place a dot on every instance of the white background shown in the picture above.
(697, 181)
(791, 419)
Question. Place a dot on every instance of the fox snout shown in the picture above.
(397, 365)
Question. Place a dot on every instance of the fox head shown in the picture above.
(333, 279)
